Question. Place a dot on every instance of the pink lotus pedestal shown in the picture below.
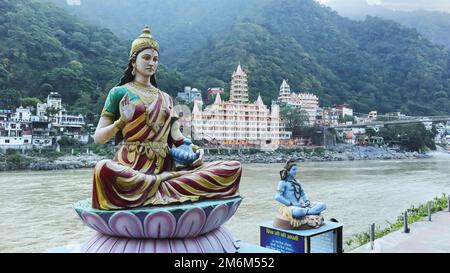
(217, 241)
(183, 228)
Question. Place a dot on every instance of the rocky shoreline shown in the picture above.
(336, 153)
(61, 163)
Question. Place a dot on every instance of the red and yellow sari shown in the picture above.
(142, 171)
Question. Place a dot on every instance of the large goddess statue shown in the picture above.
(141, 118)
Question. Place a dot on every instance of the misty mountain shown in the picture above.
(45, 49)
(434, 25)
(180, 26)
(371, 64)
(374, 64)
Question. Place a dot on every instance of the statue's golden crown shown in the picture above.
(145, 40)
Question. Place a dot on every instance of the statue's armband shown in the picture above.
(281, 188)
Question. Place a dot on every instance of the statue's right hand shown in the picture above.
(307, 203)
(126, 108)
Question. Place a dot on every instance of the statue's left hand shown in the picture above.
(199, 160)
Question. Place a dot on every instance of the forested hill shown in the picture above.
(434, 25)
(180, 26)
(373, 64)
(44, 49)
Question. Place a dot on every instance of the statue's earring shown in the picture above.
(283, 174)
(133, 72)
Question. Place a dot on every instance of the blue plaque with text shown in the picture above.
(282, 241)
(326, 239)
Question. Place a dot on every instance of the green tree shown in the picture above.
(413, 137)
(45, 89)
(51, 111)
(294, 118)
(29, 101)
(346, 119)
(370, 132)
(77, 67)
(4, 75)
(66, 141)
(10, 98)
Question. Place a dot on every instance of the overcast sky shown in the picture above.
(441, 5)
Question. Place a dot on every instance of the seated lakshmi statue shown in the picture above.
(145, 126)
(296, 205)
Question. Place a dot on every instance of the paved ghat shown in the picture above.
(424, 236)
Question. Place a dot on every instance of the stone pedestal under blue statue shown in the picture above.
(326, 239)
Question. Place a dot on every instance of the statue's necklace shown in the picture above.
(147, 94)
(297, 188)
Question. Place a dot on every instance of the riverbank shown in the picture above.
(335, 153)
(24, 162)
(424, 237)
(360, 241)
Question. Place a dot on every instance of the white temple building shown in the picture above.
(65, 123)
(60, 118)
(237, 121)
(305, 101)
(190, 94)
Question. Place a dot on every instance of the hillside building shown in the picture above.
(305, 101)
(237, 121)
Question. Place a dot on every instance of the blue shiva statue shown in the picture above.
(296, 206)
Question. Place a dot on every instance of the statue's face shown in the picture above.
(293, 171)
(147, 62)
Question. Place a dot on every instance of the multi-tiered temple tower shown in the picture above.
(305, 101)
(239, 122)
(239, 86)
